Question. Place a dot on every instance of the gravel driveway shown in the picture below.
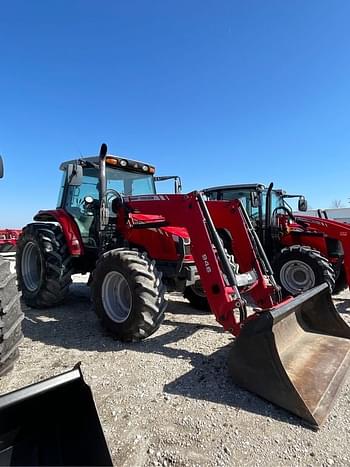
(169, 400)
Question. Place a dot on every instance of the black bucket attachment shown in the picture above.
(53, 422)
(296, 356)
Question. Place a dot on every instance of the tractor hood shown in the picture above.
(316, 223)
(158, 222)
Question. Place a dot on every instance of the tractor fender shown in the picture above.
(68, 226)
(313, 239)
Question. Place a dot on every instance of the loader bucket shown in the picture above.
(53, 422)
(296, 355)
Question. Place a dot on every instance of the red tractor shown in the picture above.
(103, 226)
(304, 251)
(333, 242)
(11, 315)
(78, 219)
(8, 239)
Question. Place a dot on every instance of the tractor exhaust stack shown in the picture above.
(296, 355)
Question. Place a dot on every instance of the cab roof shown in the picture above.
(94, 161)
(245, 187)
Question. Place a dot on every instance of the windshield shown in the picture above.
(126, 183)
(130, 183)
(276, 202)
(122, 181)
(256, 214)
(229, 195)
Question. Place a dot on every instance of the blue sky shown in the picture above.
(215, 91)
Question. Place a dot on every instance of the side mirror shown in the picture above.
(322, 214)
(254, 199)
(74, 174)
(1, 168)
(178, 185)
(302, 204)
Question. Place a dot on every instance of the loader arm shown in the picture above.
(191, 212)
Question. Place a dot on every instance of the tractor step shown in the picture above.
(296, 355)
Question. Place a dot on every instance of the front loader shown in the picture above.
(126, 241)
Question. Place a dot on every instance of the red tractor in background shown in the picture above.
(304, 251)
(8, 239)
(136, 245)
(335, 244)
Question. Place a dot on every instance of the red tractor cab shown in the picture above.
(82, 209)
(304, 252)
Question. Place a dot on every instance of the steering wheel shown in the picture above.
(286, 210)
(289, 213)
(109, 196)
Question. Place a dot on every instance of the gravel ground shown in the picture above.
(169, 400)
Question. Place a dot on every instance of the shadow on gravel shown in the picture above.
(180, 308)
(209, 380)
(75, 326)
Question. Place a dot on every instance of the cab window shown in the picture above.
(276, 201)
(243, 196)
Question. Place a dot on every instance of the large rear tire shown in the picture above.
(11, 317)
(300, 268)
(44, 266)
(128, 294)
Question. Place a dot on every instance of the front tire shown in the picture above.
(128, 294)
(300, 268)
(44, 266)
(11, 317)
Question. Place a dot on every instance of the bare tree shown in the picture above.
(336, 203)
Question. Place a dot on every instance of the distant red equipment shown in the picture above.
(8, 239)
